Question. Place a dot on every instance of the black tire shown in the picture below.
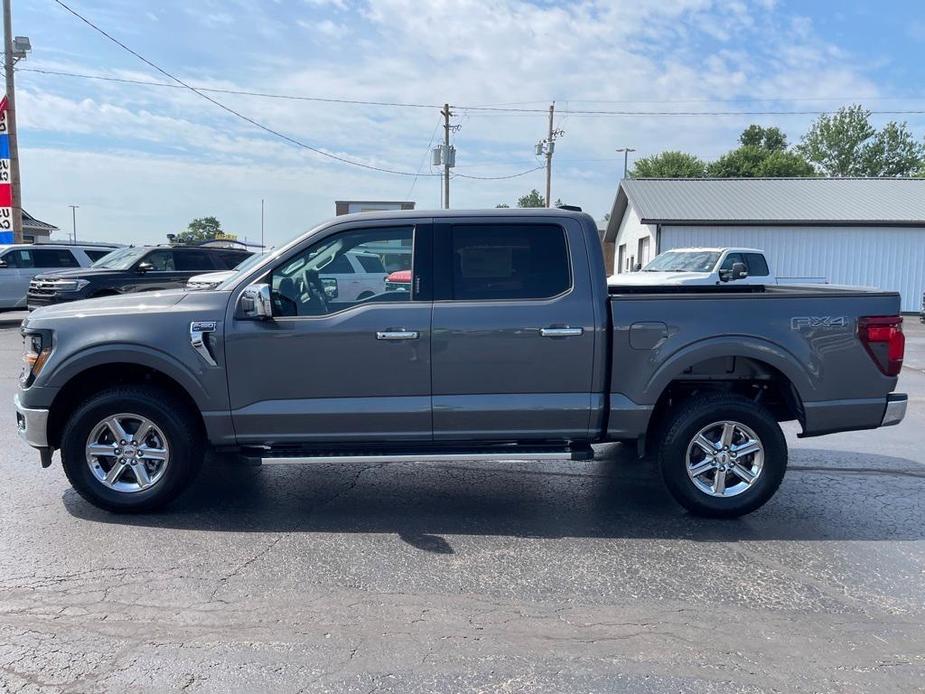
(677, 433)
(168, 413)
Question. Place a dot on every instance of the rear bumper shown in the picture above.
(32, 425)
(895, 409)
(832, 416)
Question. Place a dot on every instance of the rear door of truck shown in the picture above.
(513, 332)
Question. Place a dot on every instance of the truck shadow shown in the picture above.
(826, 496)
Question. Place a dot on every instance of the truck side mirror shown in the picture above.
(637, 267)
(254, 303)
(3, 264)
(330, 287)
(739, 271)
(144, 267)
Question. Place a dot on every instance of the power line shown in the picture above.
(499, 178)
(423, 160)
(486, 110)
(230, 110)
(217, 90)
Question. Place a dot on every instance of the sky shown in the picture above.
(141, 161)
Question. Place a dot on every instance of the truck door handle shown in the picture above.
(561, 332)
(397, 335)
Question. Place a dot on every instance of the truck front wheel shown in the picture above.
(131, 449)
(722, 455)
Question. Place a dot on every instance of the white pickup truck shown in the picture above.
(702, 266)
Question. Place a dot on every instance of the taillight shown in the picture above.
(882, 337)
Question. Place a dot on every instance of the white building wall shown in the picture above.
(891, 258)
(630, 231)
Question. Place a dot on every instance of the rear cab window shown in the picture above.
(757, 265)
(507, 262)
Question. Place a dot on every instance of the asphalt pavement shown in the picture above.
(411, 577)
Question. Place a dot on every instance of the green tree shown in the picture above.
(837, 144)
(532, 199)
(846, 144)
(895, 152)
(670, 164)
(771, 139)
(503, 205)
(764, 153)
(200, 229)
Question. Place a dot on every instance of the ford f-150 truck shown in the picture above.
(509, 345)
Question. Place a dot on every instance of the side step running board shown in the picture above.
(511, 456)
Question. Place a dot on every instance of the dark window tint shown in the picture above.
(372, 264)
(339, 266)
(730, 259)
(193, 261)
(229, 260)
(162, 260)
(757, 265)
(54, 257)
(96, 255)
(509, 262)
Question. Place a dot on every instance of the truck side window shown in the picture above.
(528, 261)
(318, 280)
(757, 265)
(731, 259)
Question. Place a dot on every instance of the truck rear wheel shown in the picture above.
(131, 449)
(722, 455)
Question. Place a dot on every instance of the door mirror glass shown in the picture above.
(739, 271)
(145, 267)
(254, 303)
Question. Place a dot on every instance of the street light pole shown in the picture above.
(626, 155)
(9, 60)
(74, 219)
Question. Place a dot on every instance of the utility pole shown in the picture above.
(547, 147)
(74, 219)
(262, 247)
(626, 156)
(446, 157)
(9, 59)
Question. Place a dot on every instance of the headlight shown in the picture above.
(67, 285)
(36, 348)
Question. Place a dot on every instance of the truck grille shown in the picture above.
(38, 287)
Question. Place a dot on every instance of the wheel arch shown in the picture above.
(97, 371)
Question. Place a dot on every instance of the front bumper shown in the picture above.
(32, 425)
(895, 409)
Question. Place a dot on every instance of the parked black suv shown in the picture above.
(132, 269)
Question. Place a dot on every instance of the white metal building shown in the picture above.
(855, 231)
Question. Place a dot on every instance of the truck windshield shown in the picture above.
(122, 259)
(688, 261)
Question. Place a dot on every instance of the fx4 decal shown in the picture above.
(824, 322)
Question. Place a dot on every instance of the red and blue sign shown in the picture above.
(6, 188)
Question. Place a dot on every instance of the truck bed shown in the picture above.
(801, 341)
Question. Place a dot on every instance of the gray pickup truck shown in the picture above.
(508, 345)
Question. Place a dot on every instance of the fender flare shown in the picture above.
(758, 349)
(137, 355)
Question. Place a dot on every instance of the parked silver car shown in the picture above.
(19, 263)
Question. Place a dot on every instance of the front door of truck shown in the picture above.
(324, 369)
(513, 331)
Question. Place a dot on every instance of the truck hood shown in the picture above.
(656, 278)
(78, 273)
(128, 305)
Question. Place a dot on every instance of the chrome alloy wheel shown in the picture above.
(127, 453)
(724, 459)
